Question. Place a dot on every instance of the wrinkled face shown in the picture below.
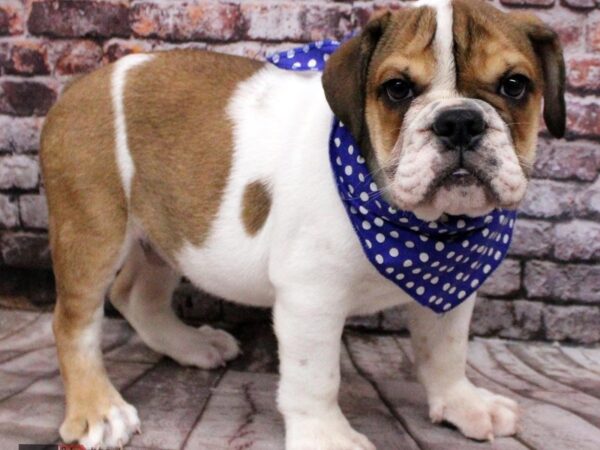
(452, 96)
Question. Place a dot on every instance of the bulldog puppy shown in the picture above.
(216, 168)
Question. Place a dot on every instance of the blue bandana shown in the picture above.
(439, 264)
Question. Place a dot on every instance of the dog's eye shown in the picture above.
(398, 90)
(514, 86)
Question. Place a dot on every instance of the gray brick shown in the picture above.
(577, 240)
(549, 199)
(20, 134)
(18, 171)
(25, 250)
(491, 316)
(34, 211)
(579, 324)
(564, 160)
(567, 282)
(295, 20)
(528, 320)
(531, 238)
(588, 201)
(9, 212)
(505, 280)
(513, 319)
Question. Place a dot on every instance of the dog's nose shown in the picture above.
(459, 128)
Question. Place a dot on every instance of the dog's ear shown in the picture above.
(546, 45)
(345, 75)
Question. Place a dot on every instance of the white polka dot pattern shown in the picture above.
(439, 264)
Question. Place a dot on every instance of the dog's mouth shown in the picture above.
(462, 177)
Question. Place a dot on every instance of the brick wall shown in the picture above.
(549, 288)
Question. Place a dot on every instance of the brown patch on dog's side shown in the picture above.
(180, 139)
(256, 204)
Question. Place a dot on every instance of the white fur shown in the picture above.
(119, 76)
(307, 262)
(115, 430)
(445, 74)
(142, 293)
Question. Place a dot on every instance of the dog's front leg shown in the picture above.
(309, 329)
(440, 347)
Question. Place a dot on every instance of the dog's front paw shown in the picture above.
(102, 428)
(331, 432)
(476, 412)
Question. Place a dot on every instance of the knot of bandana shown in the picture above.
(439, 264)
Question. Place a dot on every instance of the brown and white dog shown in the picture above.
(216, 167)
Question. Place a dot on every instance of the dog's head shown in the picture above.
(444, 99)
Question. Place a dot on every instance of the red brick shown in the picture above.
(296, 21)
(583, 116)
(182, 21)
(362, 13)
(569, 25)
(27, 58)
(26, 98)
(72, 57)
(566, 160)
(537, 3)
(78, 18)
(11, 17)
(117, 48)
(584, 72)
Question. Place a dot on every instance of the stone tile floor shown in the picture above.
(558, 388)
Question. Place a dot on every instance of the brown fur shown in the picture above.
(256, 204)
(489, 44)
(181, 142)
(405, 49)
(87, 225)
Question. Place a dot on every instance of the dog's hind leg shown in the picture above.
(88, 236)
(86, 252)
(142, 293)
